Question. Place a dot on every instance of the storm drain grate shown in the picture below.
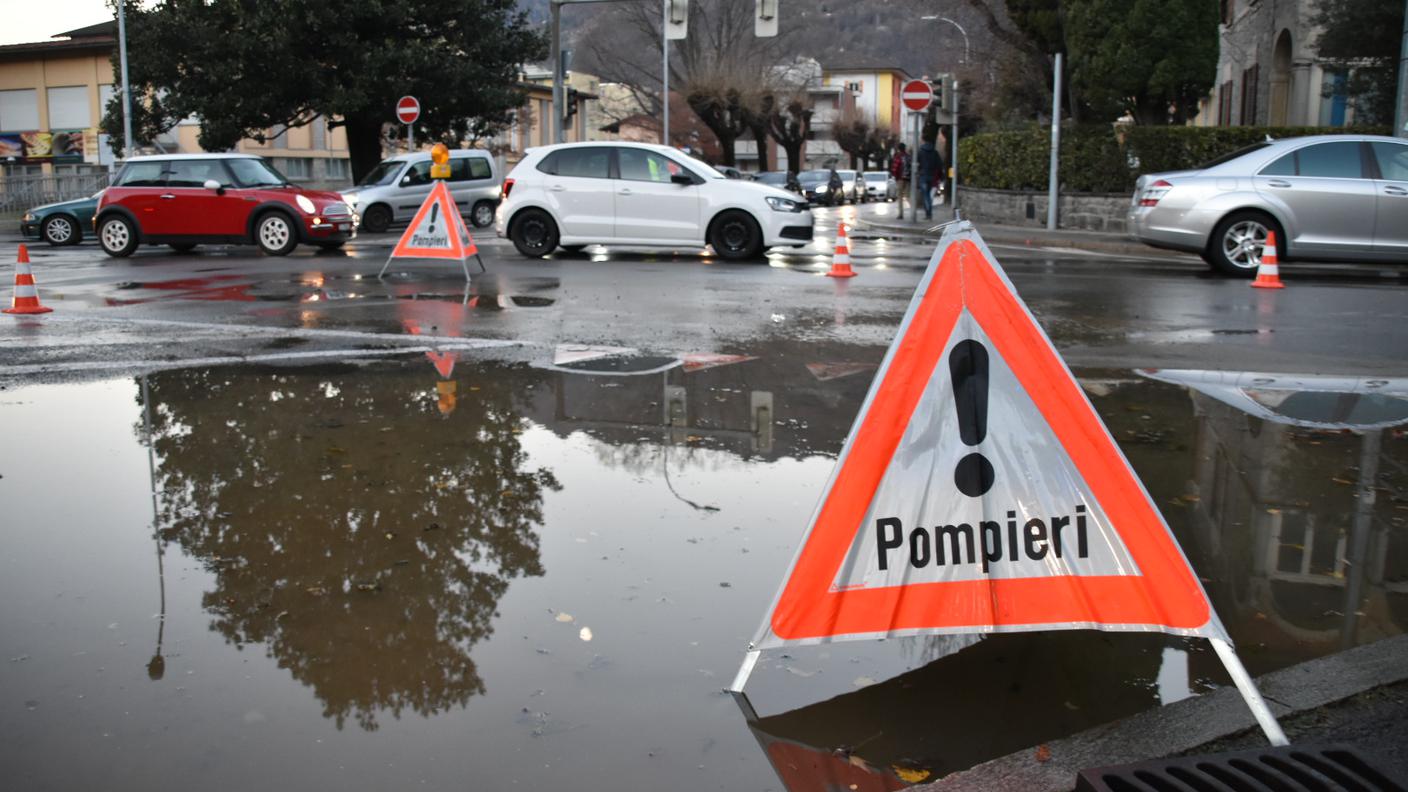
(1293, 768)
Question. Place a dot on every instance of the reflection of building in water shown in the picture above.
(1287, 476)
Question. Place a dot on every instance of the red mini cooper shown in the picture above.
(184, 200)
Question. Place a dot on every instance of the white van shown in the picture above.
(395, 188)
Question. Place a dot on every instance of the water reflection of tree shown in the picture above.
(361, 537)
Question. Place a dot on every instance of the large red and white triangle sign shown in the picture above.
(980, 492)
(437, 231)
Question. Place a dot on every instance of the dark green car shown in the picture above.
(60, 223)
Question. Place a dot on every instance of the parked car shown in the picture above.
(852, 188)
(396, 188)
(731, 172)
(636, 194)
(821, 186)
(1327, 197)
(783, 179)
(880, 186)
(184, 200)
(60, 223)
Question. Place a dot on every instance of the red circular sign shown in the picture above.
(408, 109)
(916, 95)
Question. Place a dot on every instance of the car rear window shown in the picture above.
(141, 174)
(1234, 155)
(589, 163)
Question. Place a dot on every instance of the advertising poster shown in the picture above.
(38, 145)
(11, 146)
(66, 145)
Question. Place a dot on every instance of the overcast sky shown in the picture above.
(26, 22)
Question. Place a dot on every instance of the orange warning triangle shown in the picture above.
(437, 231)
(979, 491)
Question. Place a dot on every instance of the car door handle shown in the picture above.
(1277, 183)
(558, 187)
(624, 191)
(167, 197)
(1391, 190)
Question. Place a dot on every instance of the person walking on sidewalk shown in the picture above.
(899, 168)
(930, 164)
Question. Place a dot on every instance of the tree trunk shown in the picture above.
(363, 144)
(760, 134)
(726, 155)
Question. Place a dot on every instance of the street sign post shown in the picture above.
(407, 111)
(916, 95)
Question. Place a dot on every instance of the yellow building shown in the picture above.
(52, 98)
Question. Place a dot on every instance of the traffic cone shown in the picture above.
(26, 299)
(1268, 274)
(841, 258)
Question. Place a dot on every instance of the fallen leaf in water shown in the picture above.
(910, 776)
(316, 591)
(566, 617)
(1043, 753)
(1339, 480)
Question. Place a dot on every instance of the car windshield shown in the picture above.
(815, 175)
(847, 175)
(383, 173)
(877, 177)
(772, 178)
(705, 169)
(255, 173)
(1234, 155)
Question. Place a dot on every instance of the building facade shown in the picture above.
(1268, 73)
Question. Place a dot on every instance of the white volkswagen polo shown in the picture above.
(572, 195)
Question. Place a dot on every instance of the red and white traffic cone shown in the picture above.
(1268, 273)
(26, 300)
(841, 258)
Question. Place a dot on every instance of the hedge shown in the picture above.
(1102, 158)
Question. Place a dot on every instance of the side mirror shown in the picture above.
(214, 186)
(683, 179)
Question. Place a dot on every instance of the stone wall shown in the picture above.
(1088, 211)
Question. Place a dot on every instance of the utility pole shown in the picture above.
(128, 144)
(665, 71)
(953, 181)
(1053, 192)
(1400, 111)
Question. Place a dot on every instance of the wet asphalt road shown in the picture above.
(1100, 309)
(370, 570)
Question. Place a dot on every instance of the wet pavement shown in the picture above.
(270, 522)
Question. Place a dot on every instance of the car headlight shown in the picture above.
(28, 217)
(305, 204)
(783, 204)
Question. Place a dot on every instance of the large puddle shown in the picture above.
(372, 575)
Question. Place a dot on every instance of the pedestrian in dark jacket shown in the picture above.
(899, 168)
(930, 166)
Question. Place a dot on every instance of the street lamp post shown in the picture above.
(127, 142)
(967, 53)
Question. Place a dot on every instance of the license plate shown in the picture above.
(344, 226)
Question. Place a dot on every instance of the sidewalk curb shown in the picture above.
(1186, 725)
(1098, 241)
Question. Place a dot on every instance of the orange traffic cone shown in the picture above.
(841, 258)
(26, 299)
(1268, 274)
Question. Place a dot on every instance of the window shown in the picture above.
(590, 163)
(297, 167)
(641, 165)
(1331, 161)
(1249, 88)
(1393, 160)
(141, 174)
(193, 173)
(339, 168)
(19, 110)
(1285, 166)
(253, 172)
(469, 168)
(418, 173)
(1224, 104)
(68, 108)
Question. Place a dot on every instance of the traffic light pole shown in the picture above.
(953, 161)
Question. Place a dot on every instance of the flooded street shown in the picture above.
(382, 572)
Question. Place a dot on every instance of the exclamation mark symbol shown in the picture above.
(968, 366)
(434, 213)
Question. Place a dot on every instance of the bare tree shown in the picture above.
(789, 121)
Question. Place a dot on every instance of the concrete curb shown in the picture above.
(1038, 238)
(1185, 726)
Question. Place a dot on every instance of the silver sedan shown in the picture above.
(1327, 197)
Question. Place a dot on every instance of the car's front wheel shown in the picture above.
(376, 219)
(275, 234)
(118, 236)
(61, 230)
(534, 233)
(735, 236)
(482, 215)
(1236, 243)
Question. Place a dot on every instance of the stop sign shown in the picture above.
(408, 109)
(916, 95)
